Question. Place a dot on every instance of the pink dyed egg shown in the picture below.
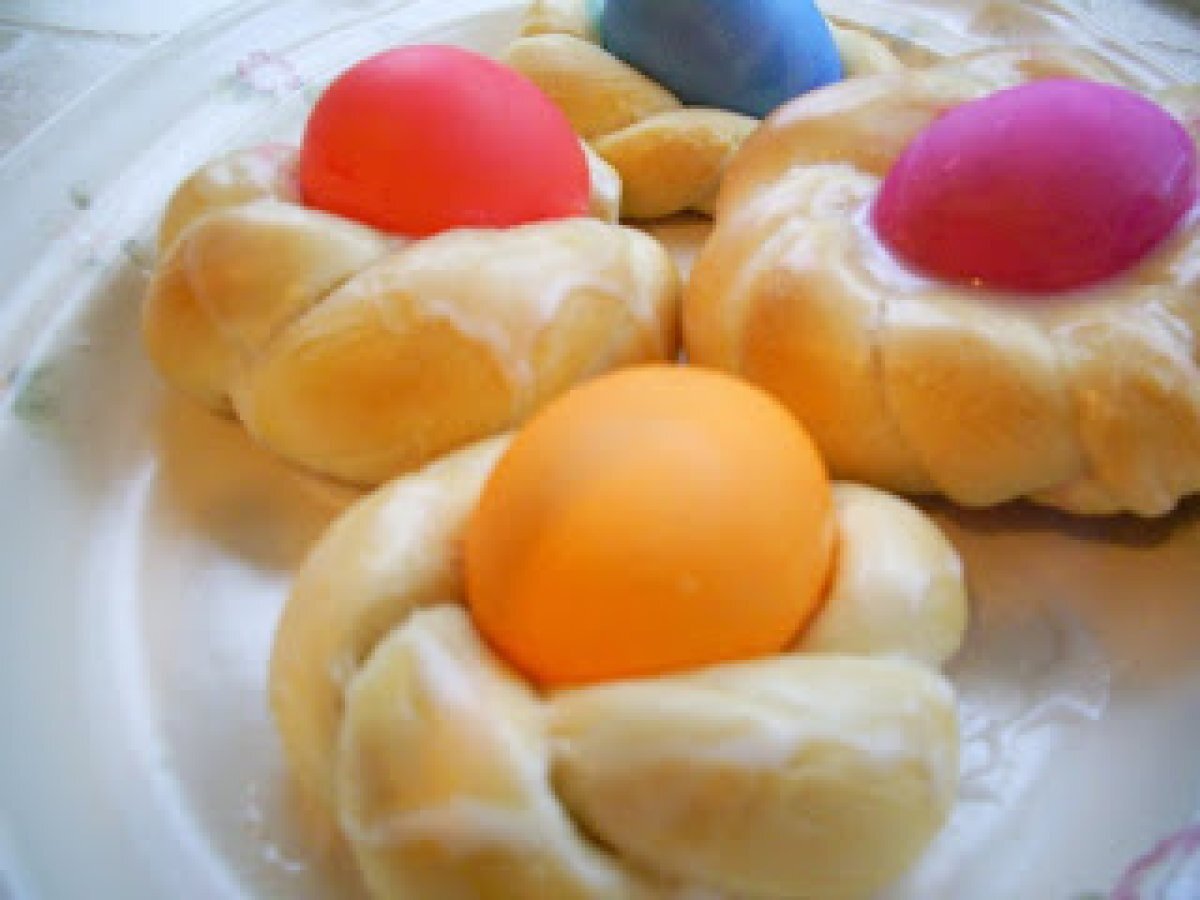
(1044, 187)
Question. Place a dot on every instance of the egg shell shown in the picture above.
(1044, 187)
(748, 56)
(652, 520)
(426, 138)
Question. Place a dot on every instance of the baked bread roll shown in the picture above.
(1090, 404)
(360, 355)
(670, 158)
(818, 773)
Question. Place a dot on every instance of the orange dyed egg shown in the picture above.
(655, 519)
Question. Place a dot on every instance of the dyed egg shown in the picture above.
(422, 139)
(1045, 187)
(748, 56)
(655, 519)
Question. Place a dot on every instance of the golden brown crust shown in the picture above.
(670, 159)
(360, 356)
(678, 156)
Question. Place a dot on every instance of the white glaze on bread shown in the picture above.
(360, 355)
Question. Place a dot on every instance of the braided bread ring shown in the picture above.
(359, 355)
(821, 772)
(670, 159)
(921, 386)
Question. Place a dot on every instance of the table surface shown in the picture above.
(52, 51)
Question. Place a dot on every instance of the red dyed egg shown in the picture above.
(422, 139)
(1045, 187)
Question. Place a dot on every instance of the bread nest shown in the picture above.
(362, 355)
(817, 773)
(670, 157)
(1089, 402)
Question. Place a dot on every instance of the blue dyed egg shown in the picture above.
(748, 56)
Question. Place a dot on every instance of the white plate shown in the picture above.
(147, 545)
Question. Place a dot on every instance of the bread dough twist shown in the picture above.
(670, 157)
(818, 773)
(360, 355)
(1090, 403)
